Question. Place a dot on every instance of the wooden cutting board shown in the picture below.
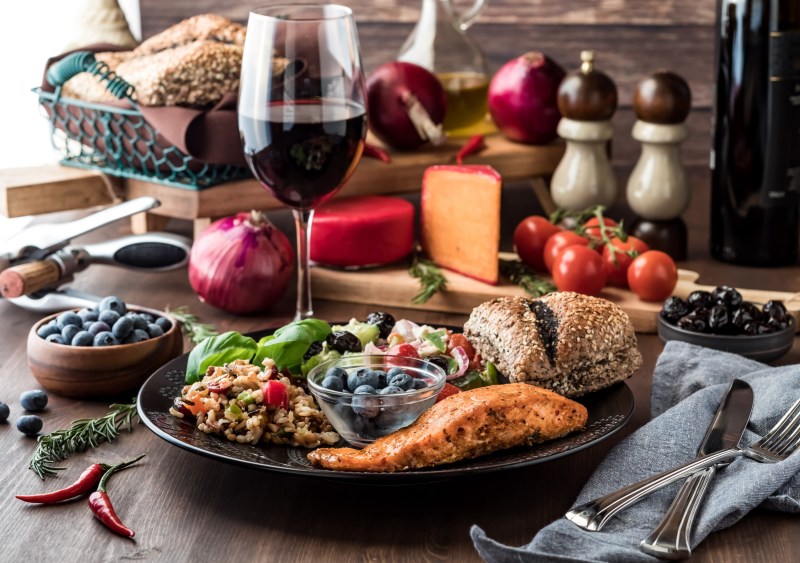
(392, 287)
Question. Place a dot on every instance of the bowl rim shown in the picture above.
(437, 371)
(175, 326)
(729, 337)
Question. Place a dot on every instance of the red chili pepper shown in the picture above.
(100, 504)
(475, 145)
(85, 483)
(376, 152)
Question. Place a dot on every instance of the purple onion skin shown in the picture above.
(241, 264)
(523, 98)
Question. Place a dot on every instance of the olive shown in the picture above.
(750, 328)
(384, 321)
(745, 314)
(313, 349)
(441, 361)
(728, 296)
(695, 321)
(674, 308)
(718, 319)
(700, 299)
(775, 315)
(343, 341)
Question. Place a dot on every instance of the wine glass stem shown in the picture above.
(302, 222)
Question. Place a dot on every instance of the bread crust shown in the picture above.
(595, 342)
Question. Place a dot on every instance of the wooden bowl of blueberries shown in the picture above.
(103, 351)
(722, 320)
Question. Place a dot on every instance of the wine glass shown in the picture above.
(302, 111)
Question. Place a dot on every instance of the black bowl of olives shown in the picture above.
(722, 320)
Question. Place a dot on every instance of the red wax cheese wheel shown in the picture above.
(362, 231)
(460, 219)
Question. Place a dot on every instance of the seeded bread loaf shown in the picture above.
(566, 342)
(203, 27)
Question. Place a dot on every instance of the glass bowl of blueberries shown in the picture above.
(721, 319)
(366, 397)
(103, 350)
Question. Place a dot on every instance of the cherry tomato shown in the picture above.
(617, 274)
(558, 242)
(579, 269)
(460, 340)
(593, 226)
(653, 276)
(530, 236)
(405, 350)
(447, 390)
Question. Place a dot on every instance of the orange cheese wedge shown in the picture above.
(460, 219)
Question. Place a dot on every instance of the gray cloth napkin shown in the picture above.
(688, 384)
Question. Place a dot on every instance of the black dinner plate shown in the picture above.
(609, 410)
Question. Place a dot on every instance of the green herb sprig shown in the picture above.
(431, 279)
(83, 434)
(520, 274)
(191, 325)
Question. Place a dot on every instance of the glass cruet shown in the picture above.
(440, 44)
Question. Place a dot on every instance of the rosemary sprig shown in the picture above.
(431, 279)
(520, 274)
(83, 434)
(191, 325)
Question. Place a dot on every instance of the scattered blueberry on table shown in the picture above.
(108, 324)
(33, 401)
(30, 424)
(4, 412)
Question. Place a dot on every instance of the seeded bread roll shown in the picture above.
(566, 342)
(203, 27)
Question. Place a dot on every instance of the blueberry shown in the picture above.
(98, 327)
(353, 380)
(402, 380)
(33, 401)
(122, 328)
(148, 318)
(4, 412)
(365, 390)
(88, 315)
(365, 403)
(391, 390)
(365, 427)
(383, 379)
(137, 335)
(87, 325)
(29, 424)
(393, 372)
(138, 321)
(83, 338)
(370, 378)
(113, 303)
(105, 339)
(337, 372)
(333, 383)
(154, 330)
(391, 420)
(164, 323)
(69, 332)
(48, 329)
(57, 338)
(68, 318)
(109, 317)
(420, 383)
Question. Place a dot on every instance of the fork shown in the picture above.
(776, 445)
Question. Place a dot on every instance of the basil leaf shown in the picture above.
(316, 328)
(437, 339)
(490, 374)
(288, 344)
(218, 350)
(470, 380)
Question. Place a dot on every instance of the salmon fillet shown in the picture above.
(463, 426)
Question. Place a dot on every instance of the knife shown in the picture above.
(670, 539)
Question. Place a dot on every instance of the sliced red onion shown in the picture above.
(371, 349)
(463, 362)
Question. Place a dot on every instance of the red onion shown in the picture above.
(405, 105)
(241, 264)
(463, 362)
(523, 98)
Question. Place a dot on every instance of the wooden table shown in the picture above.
(188, 508)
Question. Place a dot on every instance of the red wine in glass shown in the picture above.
(303, 152)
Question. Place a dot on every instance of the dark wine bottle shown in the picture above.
(755, 192)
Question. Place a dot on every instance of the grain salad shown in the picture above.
(251, 404)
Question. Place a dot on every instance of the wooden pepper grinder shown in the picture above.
(657, 189)
(587, 100)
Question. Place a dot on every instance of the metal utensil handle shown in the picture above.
(465, 20)
(594, 514)
(670, 539)
(154, 252)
